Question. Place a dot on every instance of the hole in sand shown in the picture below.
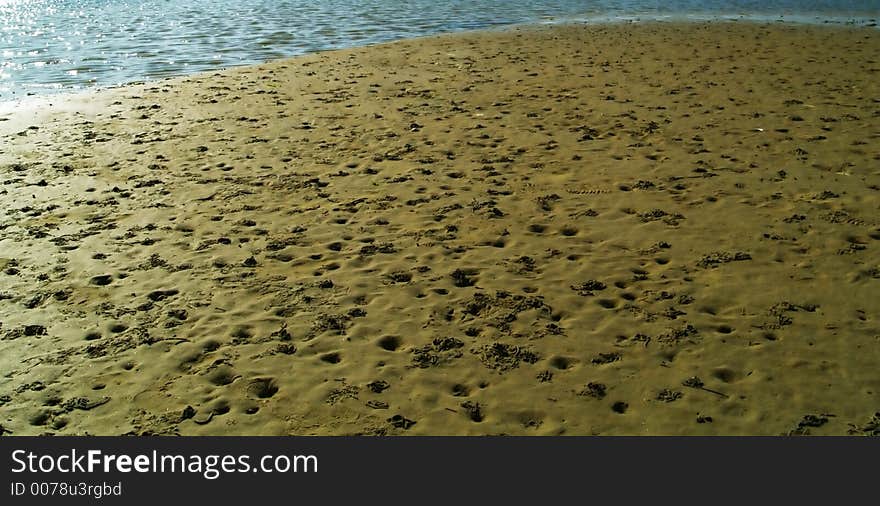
(222, 376)
(607, 303)
(724, 374)
(459, 390)
(537, 228)
(102, 280)
(262, 388)
(40, 418)
(331, 358)
(390, 343)
(561, 363)
(221, 407)
(242, 334)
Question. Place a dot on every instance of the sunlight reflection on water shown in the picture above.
(51, 45)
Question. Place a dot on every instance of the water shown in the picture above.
(64, 45)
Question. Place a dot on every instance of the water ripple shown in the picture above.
(51, 45)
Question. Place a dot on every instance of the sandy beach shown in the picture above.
(630, 229)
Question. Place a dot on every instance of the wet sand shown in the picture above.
(630, 229)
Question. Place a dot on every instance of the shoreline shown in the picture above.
(802, 20)
(580, 229)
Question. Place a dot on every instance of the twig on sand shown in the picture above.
(697, 383)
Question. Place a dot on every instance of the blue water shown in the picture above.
(60, 45)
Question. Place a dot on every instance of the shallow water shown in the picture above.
(64, 45)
